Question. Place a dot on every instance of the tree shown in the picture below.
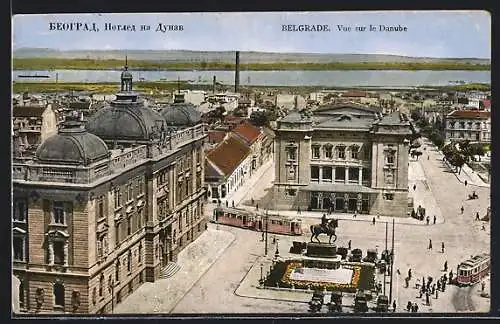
(258, 118)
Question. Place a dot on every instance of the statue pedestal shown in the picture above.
(321, 250)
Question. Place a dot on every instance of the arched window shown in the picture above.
(59, 294)
(101, 284)
(340, 152)
(354, 152)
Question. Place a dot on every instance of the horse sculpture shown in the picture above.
(329, 229)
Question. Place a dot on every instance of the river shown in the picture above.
(373, 78)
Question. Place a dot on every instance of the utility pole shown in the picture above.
(265, 228)
(387, 265)
(392, 261)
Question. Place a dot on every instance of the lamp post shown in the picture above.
(392, 261)
(277, 253)
(111, 289)
(261, 273)
(266, 220)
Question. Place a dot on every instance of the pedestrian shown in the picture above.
(253, 201)
(427, 299)
(417, 283)
(477, 216)
(349, 245)
(433, 289)
(232, 202)
(462, 209)
(465, 182)
(408, 306)
(378, 215)
(409, 273)
(354, 215)
(227, 204)
(483, 285)
(439, 285)
(427, 219)
(445, 266)
(262, 239)
(416, 308)
(437, 291)
(430, 245)
(373, 221)
(427, 158)
(407, 282)
(274, 239)
(299, 212)
(445, 279)
(483, 228)
(394, 306)
(434, 219)
(451, 277)
(442, 247)
(257, 206)
(398, 272)
(414, 187)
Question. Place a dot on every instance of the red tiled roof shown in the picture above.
(469, 114)
(216, 136)
(247, 132)
(228, 155)
(27, 111)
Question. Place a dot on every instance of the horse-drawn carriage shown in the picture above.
(473, 196)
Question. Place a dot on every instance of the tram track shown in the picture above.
(462, 299)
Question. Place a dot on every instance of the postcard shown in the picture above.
(251, 163)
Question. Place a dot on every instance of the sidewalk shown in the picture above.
(196, 259)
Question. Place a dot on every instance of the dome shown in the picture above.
(181, 113)
(72, 145)
(126, 120)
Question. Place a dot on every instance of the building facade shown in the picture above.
(343, 159)
(472, 125)
(103, 207)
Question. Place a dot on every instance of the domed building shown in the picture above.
(181, 114)
(72, 145)
(126, 118)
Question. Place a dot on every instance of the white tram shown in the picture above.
(473, 270)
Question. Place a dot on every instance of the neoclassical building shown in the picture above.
(104, 207)
(346, 158)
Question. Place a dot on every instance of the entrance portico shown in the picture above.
(340, 198)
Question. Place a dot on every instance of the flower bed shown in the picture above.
(362, 277)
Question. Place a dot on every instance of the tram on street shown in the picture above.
(473, 270)
(275, 224)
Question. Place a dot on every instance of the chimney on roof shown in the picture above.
(237, 72)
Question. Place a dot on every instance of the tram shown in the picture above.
(241, 218)
(473, 270)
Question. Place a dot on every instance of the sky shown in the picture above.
(458, 34)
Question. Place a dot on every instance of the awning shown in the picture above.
(339, 187)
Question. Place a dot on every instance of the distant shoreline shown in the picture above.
(156, 87)
(145, 65)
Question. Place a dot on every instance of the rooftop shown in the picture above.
(28, 111)
(247, 132)
(469, 114)
(228, 155)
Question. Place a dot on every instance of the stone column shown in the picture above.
(333, 174)
(66, 252)
(320, 174)
(51, 253)
(346, 180)
(360, 177)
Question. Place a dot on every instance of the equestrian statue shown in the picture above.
(326, 227)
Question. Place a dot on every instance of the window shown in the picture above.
(117, 232)
(354, 152)
(390, 157)
(100, 207)
(140, 213)
(292, 172)
(58, 213)
(353, 174)
(315, 152)
(117, 270)
(101, 284)
(59, 295)
(139, 252)
(340, 173)
(129, 225)
(20, 210)
(117, 197)
(130, 192)
(99, 247)
(327, 174)
(129, 261)
(328, 151)
(140, 186)
(291, 153)
(341, 152)
(315, 173)
(19, 246)
(58, 252)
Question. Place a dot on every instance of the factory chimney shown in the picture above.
(214, 84)
(237, 72)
